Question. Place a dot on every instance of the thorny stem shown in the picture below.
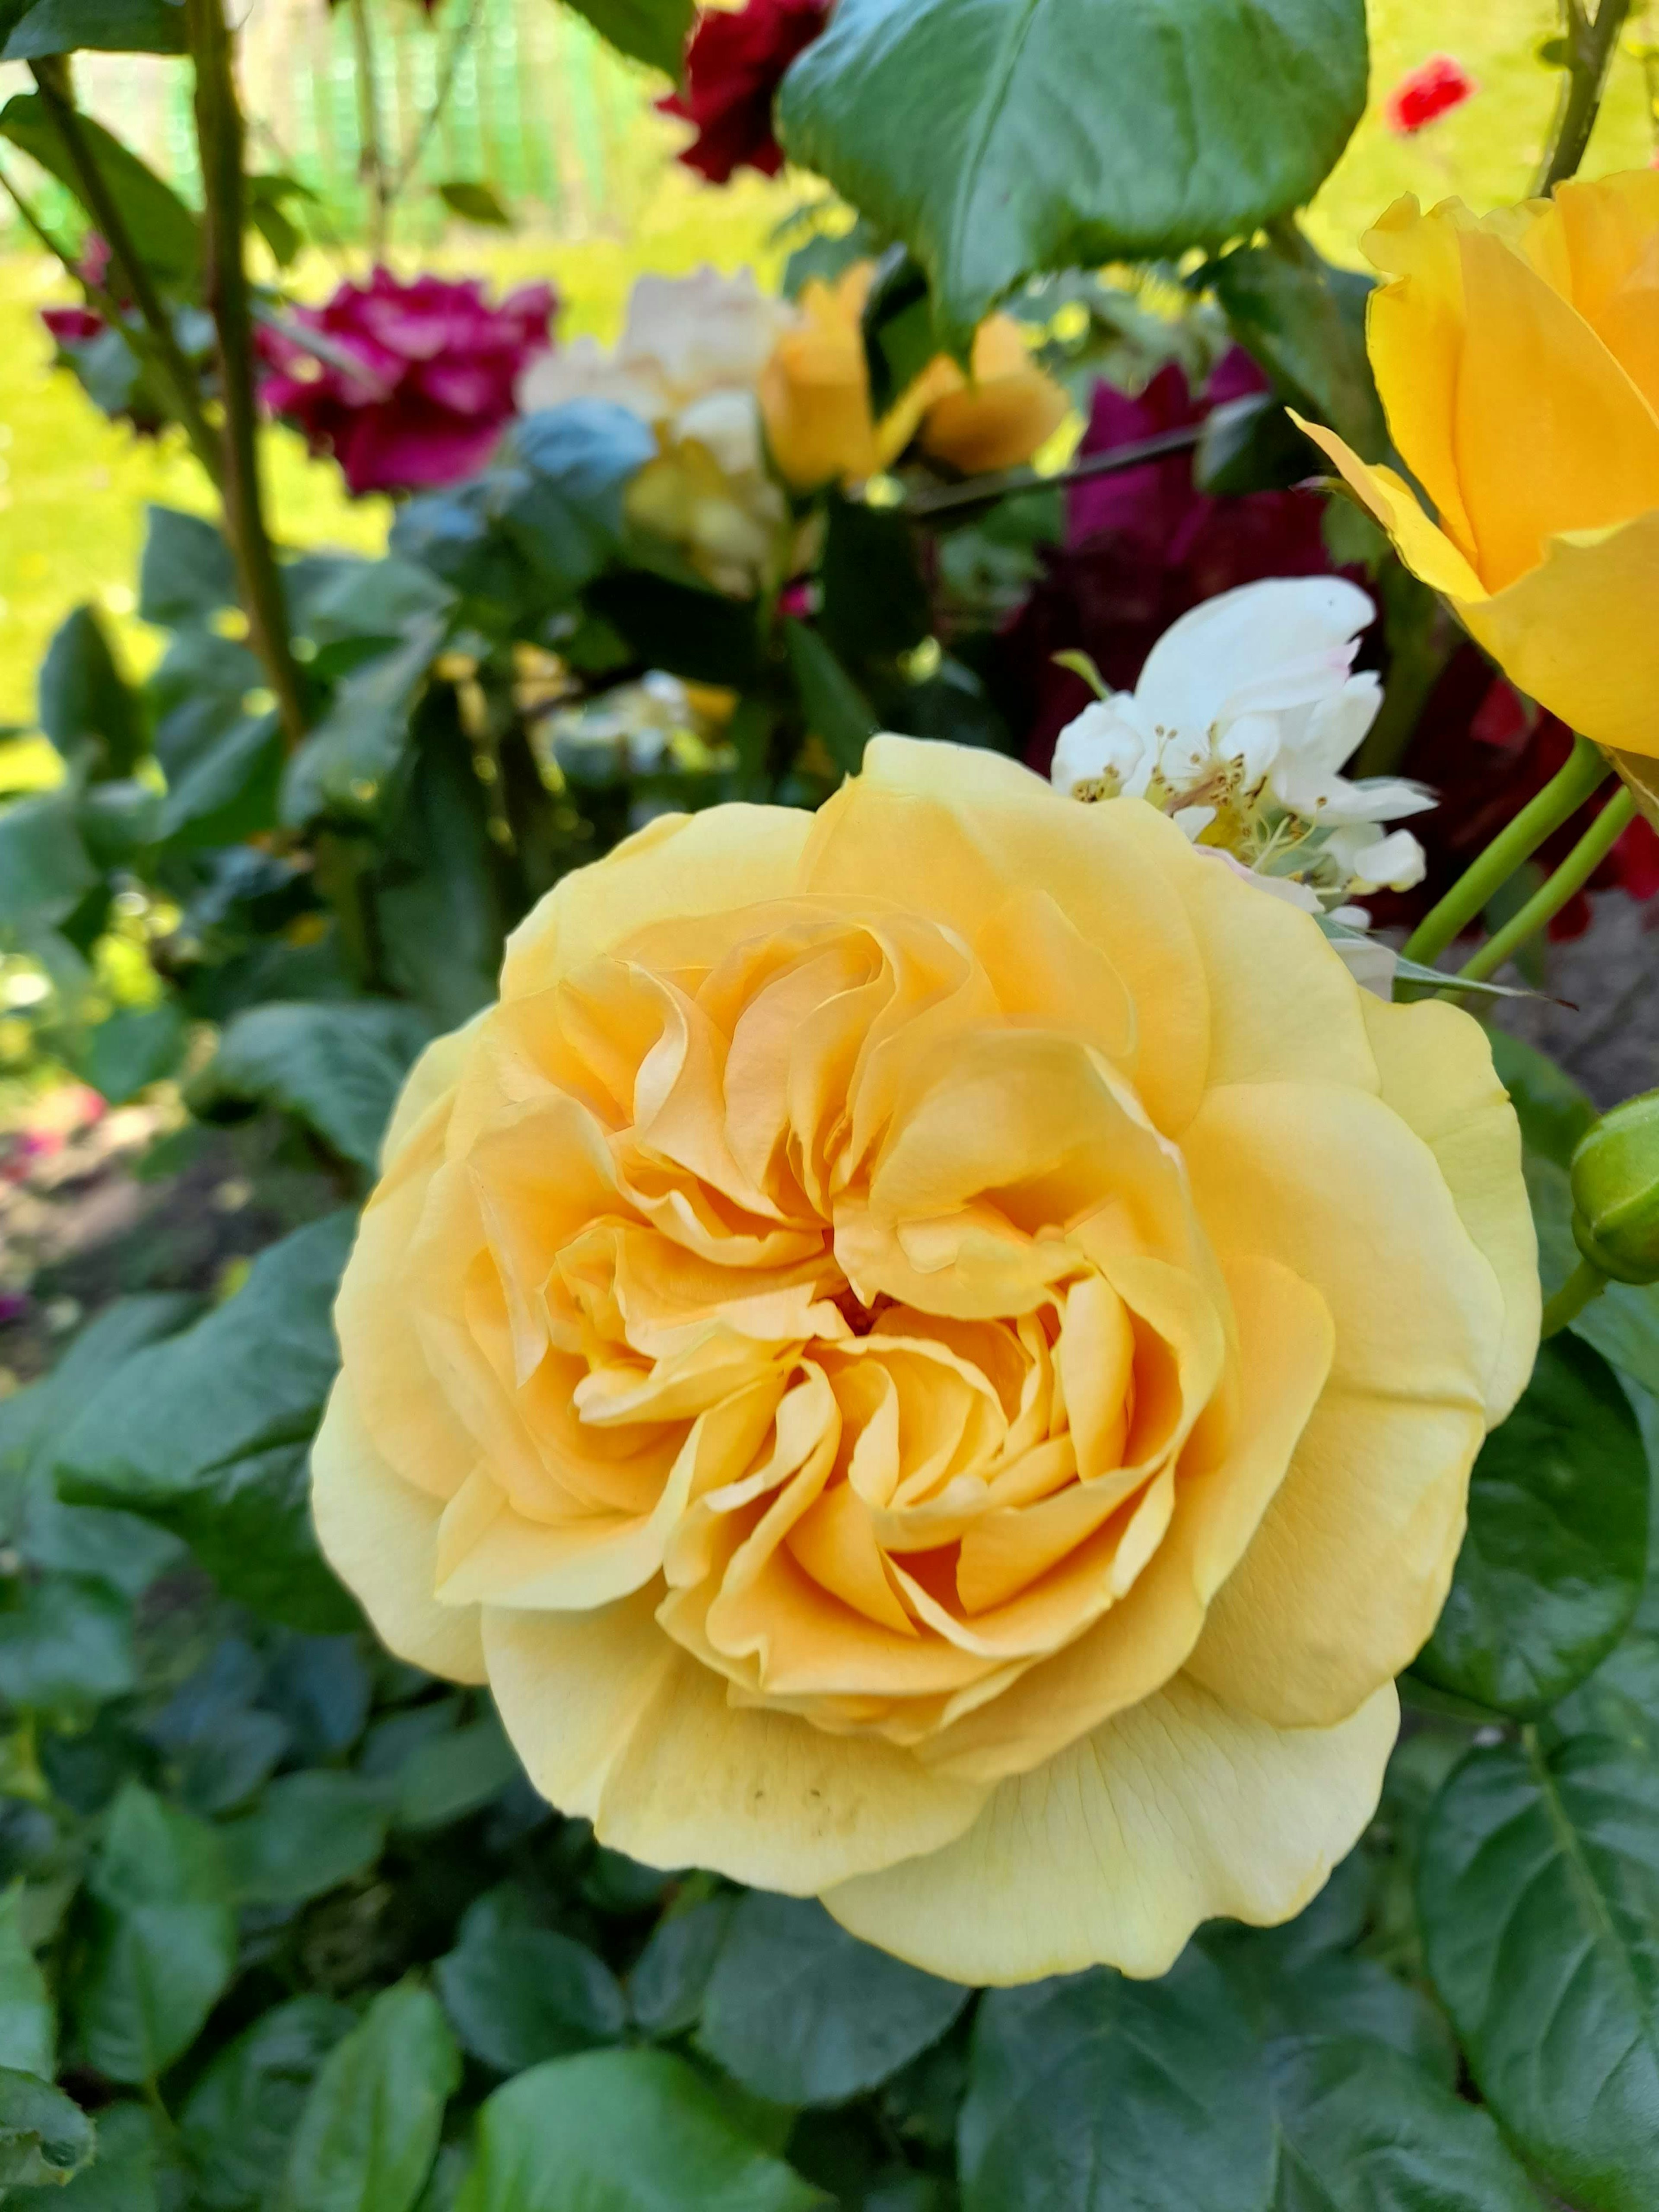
(1585, 771)
(52, 79)
(1574, 873)
(220, 135)
(1590, 54)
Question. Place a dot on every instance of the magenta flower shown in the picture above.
(78, 326)
(431, 388)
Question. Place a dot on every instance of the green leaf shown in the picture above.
(455, 1774)
(1050, 134)
(564, 481)
(654, 31)
(441, 919)
(622, 2131)
(1538, 1890)
(875, 601)
(519, 1994)
(186, 576)
(369, 2130)
(838, 712)
(1362, 2130)
(700, 635)
(338, 1068)
(1623, 1323)
(1304, 321)
(43, 2136)
(28, 2028)
(310, 1832)
(45, 873)
(671, 1976)
(241, 2114)
(108, 27)
(343, 766)
(65, 1646)
(118, 818)
(1554, 1559)
(474, 203)
(209, 1433)
(164, 1941)
(163, 228)
(123, 2176)
(131, 1049)
(802, 2013)
(1092, 2092)
(86, 704)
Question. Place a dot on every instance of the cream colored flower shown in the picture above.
(930, 1355)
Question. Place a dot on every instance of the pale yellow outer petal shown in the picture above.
(1438, 1074)
(430, 1081)
(380, 1535)
(679, 865)
(614, 1721)
(1177, 1810)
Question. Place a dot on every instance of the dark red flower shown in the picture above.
(1423, 94)
(1141, 548)
(432, 387)
(1486, 752)
(733, 66)
(73, 327)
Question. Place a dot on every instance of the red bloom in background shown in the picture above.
(733, 66)
(1487, 751)
(1143, 547)
(1423, 94)
(77, 325)
(432, 390)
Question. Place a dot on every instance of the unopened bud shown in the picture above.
(1615, 1191)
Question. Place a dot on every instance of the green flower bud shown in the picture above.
(1615, 1191)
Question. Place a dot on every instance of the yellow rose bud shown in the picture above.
(999, 419)
(930, 1354)
(1615, 1191)
(815, 389)
(1517, 357)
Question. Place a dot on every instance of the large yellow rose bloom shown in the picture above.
(1517, 358)
(814, 396)
(930, 1355)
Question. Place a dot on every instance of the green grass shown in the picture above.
(73, 488)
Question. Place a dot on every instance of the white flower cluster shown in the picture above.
(1244, 714)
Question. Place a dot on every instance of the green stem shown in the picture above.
(130, 265)
(1585, 771)
(371, 162)
(460, 40)
(1574, 873)
(220, 135)
(1586, 1282)
(1590, 55)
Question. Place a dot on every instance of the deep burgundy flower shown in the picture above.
(1141, 548)
(1486, 752)
(1423, 94)
(73, 327)
(434, 387)
(733, 66)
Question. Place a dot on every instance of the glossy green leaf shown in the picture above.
(28, 2027)
(133, 2165)
(1091, 2093)
(209, 1433)
(241, 2115)
(45, 871)
(131, 1049)
(1047, 134)
(118, 818)
(87, 707)
(622, 2131)
(1552, 1562)
(162, 227)
(1360, 2129)
(438, 900)
(654, 31)
(565, 476)
(368, 2132)
(875, 600)
(836, 711)
(65, 1645)
(344, 765)
(110, 27)
(1538, 1889)
(187, 574)
(44, 2135)
(700, 635)
(519, 1994)
(455, 1774)
(669, 1978)
(474, 203)
(164, 1941)
(802, 2013)
(309, 1833)
(338, 1068)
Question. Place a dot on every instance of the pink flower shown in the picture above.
(1423, 94)
(733, 66)
(432, 389)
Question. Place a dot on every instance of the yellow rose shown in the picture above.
(1518, 361)
(814, 396)
(930, 1355)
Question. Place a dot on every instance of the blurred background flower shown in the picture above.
(1423, 94)
(735, 64)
